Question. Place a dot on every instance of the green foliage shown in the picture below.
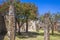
(22, 10)
(25, 10)
(4, 7)
(57, 16)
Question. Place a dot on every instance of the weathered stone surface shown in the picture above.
(32, 26)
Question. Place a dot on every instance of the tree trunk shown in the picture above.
(27, 24)
(46, 27)
(46, 33)
(52, 27)
(19, 28)
(11, 24)
(52, 30)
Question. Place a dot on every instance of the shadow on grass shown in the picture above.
(29, 35)
(34, 35)
(56, 34)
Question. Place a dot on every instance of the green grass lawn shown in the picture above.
(36, 36)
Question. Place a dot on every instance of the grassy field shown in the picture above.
(36, 36)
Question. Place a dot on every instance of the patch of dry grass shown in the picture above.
(38, 36)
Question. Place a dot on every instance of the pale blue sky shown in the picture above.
(46, 5)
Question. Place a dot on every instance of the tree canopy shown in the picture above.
(21, 9)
